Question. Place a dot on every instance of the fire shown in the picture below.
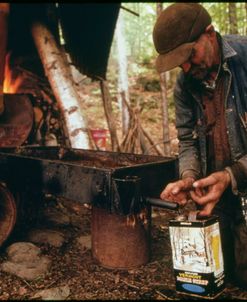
(10, 84)
(142, 217)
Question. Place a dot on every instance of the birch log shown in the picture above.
(58, 73)
(123, 74)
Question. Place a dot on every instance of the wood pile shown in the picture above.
(48, 128)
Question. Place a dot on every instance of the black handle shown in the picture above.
(162, 203)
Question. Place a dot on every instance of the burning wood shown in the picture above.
(10, 84)
(48, 128)
(132, 219)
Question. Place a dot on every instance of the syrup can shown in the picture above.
(197, 255)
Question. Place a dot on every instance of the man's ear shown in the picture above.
(210, 29)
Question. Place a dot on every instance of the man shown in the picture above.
(211, 118)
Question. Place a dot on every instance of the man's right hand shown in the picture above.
(178, 191)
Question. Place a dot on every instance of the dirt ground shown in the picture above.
(74, 266)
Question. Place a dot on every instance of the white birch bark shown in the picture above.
(123, 88)
(59, 75)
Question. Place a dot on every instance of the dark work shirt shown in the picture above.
(218, 149)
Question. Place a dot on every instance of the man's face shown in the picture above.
(199, 65)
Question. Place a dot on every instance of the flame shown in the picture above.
(133, 219)
(10, 84)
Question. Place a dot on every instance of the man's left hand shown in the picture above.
(212, 187)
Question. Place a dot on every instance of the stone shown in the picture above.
(56, 217)
(20, 252)
(28, 271)
(56, 293)
(52, 237)
(84, 242)
(25, 261)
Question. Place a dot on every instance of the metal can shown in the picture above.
(197, 256)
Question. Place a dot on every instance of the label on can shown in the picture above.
(197, 256)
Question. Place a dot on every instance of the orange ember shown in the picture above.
(10, 85)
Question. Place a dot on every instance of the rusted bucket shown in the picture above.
(120, 241)
(8, 213)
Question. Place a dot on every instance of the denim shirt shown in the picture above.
(190, 121)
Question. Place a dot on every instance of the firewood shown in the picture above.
(58, 73)
(159, 152)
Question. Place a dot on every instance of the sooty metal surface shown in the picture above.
(87, 176)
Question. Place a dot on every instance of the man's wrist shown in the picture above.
(189, 180)
(189, 173)
(228, 176)
(232, 180)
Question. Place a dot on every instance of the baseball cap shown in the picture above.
(175, 32)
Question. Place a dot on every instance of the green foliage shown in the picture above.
(138, 30)
(220, 15)
(139, 43)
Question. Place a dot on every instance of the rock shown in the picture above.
(20, 252)
(84, 242)
(54, 238)
(77, 221)
(28, 271)
(56, 293)
(56, 217)
(25, 261)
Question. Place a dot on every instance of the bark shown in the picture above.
(233, 18)
(123, 74)
(58, 73)
(153, 145)
(136, 136)
(164, 104)
(109, 115)
(245, 4)
(159, 8)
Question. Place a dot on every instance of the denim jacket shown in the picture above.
(190, 121)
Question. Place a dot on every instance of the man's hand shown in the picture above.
(211, 188)
(178, 191)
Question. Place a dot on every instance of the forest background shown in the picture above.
(131, 68)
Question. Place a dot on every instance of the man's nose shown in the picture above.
(186, 66)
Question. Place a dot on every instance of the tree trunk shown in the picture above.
(233, 18)
(245, 4)
(59, 75)
(164, 103)
(123, 74)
